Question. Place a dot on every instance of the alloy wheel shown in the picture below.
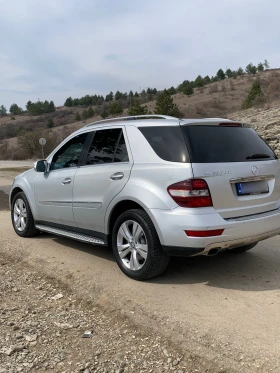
(132, 245)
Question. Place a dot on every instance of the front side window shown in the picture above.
(107, 146)
(69, 154)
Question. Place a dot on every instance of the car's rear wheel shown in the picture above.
(243, 249)
(136, 246)
(22, 217)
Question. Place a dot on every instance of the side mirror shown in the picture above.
(41, 166)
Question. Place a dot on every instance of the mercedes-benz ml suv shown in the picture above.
(154, 187)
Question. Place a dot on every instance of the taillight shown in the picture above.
(191, 193)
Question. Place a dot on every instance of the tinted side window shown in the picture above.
(167, 142)
(105, 145)
(121, 154)
(69, 154)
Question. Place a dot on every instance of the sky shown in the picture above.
(54, 49)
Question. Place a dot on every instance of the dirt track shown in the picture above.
(224, 309)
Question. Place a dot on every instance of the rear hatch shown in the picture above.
(241, 170)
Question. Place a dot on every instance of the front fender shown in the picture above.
(25, 182)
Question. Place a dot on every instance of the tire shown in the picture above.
(243, 249)
(21, 210)
(135, 237)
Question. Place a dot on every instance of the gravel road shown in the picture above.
(4, 164)
(217, 314)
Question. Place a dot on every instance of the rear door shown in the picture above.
(103, 175)
(241, 170)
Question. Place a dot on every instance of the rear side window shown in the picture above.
(107, 146)
(214, 144)
(167, 142)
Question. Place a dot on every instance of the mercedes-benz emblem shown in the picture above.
(255, 170)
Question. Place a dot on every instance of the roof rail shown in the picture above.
(134, 117)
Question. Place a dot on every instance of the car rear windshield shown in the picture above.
(167, 142)
(214, 144)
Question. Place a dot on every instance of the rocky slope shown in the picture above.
(265, 121)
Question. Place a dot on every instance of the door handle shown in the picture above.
(66, 181)
(117, 176)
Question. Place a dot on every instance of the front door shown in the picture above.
(104, 174)
(54, 189)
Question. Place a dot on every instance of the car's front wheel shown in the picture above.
(22, 217)
(136, 246)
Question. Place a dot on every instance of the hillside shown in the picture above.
(219, 99)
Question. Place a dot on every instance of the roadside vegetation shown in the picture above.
(215, 96)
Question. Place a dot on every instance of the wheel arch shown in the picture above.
(17, 189)
(122, 206)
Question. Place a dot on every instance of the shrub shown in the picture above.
(77, 117)
(50, 123)
(137, 109)
(254, 95)
(166, 106)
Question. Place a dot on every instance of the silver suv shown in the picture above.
(154, 187)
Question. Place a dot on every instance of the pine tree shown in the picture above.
(29, 103)
(90, 112)
(51, 107)
(221, 75)
(68, 102)
(85, 115)
(137, 109)
(110, 97)
(266, 64)
(240, 71)
(104, 114)
(260, 67)
(3, 110)
(45, 106)
(50, 123)
(206, 80)
(15, 109)
(116, 109)
(172, 90)
(77, 117)
(229, 73)
(251, 69)
(188, 89)
(166, 106)
(199, 82)
(254, 95)
(76, 102)
(118, 95)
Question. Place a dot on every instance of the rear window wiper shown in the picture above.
(258, 155)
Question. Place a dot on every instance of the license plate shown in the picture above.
(255, 187)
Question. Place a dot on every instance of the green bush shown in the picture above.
(254, 95)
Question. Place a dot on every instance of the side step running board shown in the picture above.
(69, 234)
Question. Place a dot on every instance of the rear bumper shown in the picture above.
(237, 232)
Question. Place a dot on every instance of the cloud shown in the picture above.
(60, 48)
